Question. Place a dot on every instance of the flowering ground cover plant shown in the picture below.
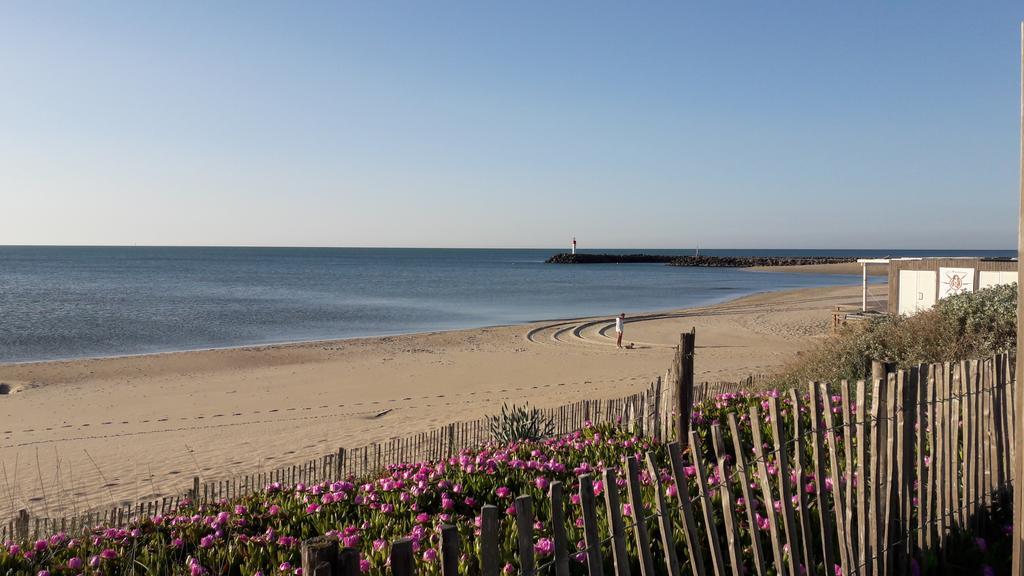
(262, 533)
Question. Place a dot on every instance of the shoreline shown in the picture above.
(824, 269)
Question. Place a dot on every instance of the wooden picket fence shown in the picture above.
(912, 457)
(647, 412)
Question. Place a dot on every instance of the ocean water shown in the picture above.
(73, 302)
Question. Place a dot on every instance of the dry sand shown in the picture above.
(88, 433)
(840, 268)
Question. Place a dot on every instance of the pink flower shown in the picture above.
(544, 547)
(502, 492)
(75, 563)
(762, 521)
(108, 554)
(541, 483)
(430, 555)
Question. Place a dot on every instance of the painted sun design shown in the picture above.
(955, 283)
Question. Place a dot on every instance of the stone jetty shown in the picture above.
(696, 261)
(751, 261)
(566, 258)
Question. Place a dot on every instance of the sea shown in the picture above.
(80, 302)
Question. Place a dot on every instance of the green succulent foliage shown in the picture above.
(520, 424)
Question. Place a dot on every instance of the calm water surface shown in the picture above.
(72, 302)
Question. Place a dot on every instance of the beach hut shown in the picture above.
(916, 284)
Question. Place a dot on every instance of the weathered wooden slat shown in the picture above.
(668, 546)
(804, 517)
(785, 493)
(760, 455)
(685, 505)
(847, 405)
(748, 495)
(402, 562)
(926, 431)
(490, 564)
(827, 522)
(558, 536)
(613, 508)
(590, 537)
(524, 534)
(319, 556)
(636, 502)
(728, 503)
(710, 529)
(957, 474)
(889, 473)
(876, 492)
(450, 550)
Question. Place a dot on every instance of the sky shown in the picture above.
(511, 124)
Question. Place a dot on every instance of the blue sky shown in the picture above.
(728, 124)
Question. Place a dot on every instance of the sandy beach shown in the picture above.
(86, 433)
(840, 268)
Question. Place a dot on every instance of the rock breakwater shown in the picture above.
(696, 261)
(751, 261)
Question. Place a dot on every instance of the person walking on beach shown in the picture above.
(618, 329)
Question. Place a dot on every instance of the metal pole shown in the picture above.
(864, 287)
(1018, 466)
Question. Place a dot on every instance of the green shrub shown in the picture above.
(970, 325)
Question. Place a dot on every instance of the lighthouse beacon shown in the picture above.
(574, 245)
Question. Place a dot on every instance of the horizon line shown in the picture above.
(381, 247)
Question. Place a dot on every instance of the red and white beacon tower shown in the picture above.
(573, 244)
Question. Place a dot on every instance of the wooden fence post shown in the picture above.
(489, 527)
(590, 534)
(402, 561)
(348, 563)
(524, 533)
(320, 556)
(683, 367)
(558, 534)
(449, 551)
(21, 526)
